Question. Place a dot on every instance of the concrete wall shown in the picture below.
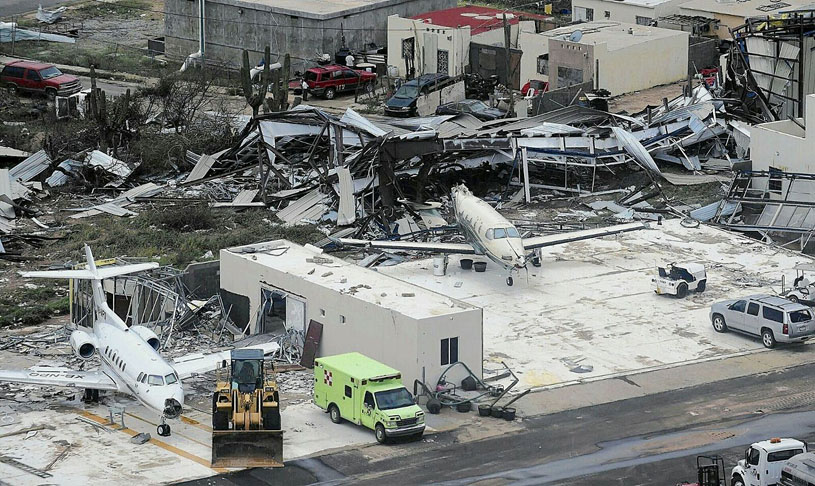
(570, 55)
(234, 25)
(455, 41)
(426, 105)
(624, 12)
(784, 145)
(644, 65)
(385, 335)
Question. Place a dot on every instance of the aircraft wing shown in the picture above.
(101, 273)
(196, 363)
(462, 248)
(558, 239)
(42, 375)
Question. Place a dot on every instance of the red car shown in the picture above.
(327, 81)
(38, 77)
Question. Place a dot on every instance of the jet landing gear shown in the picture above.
(90, 396)
(509, 281)
(163, 429)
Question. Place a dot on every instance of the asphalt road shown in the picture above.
(652, 440)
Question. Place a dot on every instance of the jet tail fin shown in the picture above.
(94, 274)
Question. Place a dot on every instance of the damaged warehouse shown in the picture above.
(280, 285)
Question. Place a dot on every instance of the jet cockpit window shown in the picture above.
(156, 380)
(171, 378)
(500, 233)
(512, 232)
(489, 234)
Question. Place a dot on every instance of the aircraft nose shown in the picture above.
(172, 408)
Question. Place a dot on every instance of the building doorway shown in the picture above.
(280, 311)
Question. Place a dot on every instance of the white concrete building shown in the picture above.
(731, 13)
(641, 12)
(785, 146)
(439, 41)
(625, 57)
(414, 330)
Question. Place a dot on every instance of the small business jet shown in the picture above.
(488, 233)
(130, 360)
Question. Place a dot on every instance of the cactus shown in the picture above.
(253, 98)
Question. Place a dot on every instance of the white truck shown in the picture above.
(799, 471)
(678, 278)
(763, 462)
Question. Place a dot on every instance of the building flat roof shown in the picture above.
(312, 9)
(616, 35)
(744, 8)
(479, 19)
(589, 311)
(347, 278)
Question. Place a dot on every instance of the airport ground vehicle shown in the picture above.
(803, 289)
(327, 81)
(678, 278)
(366, 392)
(775, 319)
(246, 413)
(763, 462)
(38, 77)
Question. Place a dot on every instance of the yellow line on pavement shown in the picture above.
(156, 442)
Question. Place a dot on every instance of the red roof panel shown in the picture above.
(479, 19)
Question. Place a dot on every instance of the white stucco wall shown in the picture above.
(406, 343)
(784, 145)
(644, 65)
(456, 41)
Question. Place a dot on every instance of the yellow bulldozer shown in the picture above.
(246, 413)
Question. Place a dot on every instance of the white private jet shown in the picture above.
(130, 360)
(488, 233)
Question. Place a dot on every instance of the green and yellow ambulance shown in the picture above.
(366, 392)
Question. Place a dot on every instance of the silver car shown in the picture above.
(775, 319)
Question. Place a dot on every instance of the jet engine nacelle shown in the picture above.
(83, 344)
(148, 335)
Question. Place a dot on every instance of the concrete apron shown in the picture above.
(611, 388)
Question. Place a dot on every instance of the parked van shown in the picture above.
(366, 392)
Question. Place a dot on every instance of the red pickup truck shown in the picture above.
(327, 81)
(38, 77)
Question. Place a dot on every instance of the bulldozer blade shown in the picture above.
(247, 448)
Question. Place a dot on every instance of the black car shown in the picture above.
(403, 102)
(476, 108)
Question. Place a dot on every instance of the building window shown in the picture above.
(322, 312)
(775, 183)
(442, 62)
(449, 351)
(543, 64)
(607, 14)
(567, 76)
(342, 319)
(407, 48)
(644, 20)
(347, 391)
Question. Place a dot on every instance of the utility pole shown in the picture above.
(507, 36)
